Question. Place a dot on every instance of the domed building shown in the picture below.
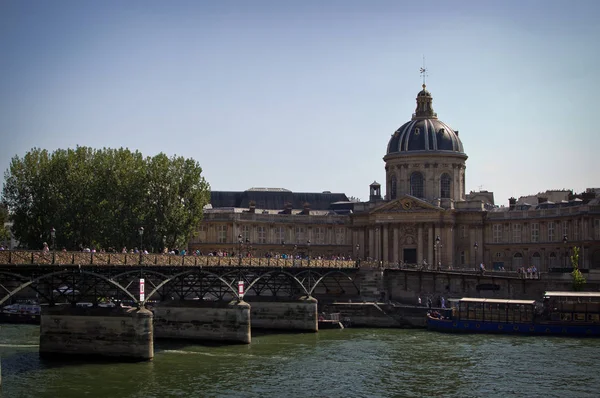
(425, 157)
(424, 217)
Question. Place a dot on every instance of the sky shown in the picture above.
(304, 95)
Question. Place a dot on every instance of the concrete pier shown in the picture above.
(120, 333)
(203, 320)
(284, 314)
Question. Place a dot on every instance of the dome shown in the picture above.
(424, 132)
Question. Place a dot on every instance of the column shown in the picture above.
(395, 245)
(386, 255)
(449, 247)
(430, 243)
(371, 232)
(378, 243)
(420, 245)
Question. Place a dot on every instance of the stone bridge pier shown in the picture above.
(282, 313)
(224, 321)
(120, 333)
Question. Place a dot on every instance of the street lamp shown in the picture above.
(475, 246)
(53, 236)
(357, 254)
(565, 241)
(435, 248)
(240, 241)
(141, 232)
(308, 246)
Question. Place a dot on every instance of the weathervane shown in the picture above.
(423, 71)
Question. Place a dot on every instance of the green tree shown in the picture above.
(578, 278)
(4, 232)
(101, 197)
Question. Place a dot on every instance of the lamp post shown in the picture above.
(435, 249)
(476, 247)
(53, 236)
(240, 241)
(565, 241)
(308, 246)
(164, 242)
(141, 232)
(294, 255)
(357, 255)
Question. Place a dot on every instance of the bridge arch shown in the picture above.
(190, 272)
(66, 272)
(274, 272)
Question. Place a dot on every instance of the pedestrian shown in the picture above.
(429, 303)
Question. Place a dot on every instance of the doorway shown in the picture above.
(410, 256)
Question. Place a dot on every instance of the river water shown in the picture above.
(331, 363)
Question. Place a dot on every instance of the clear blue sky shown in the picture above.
(304, 95)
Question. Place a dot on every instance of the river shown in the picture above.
(331, 363)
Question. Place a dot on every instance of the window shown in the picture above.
(516, 235)
(261, 231)
(246, 232)
(416, 184)
(497, 233)
(550, 231)
(536, 260)
(565, 228)
(445, 185)
(535, 232)
(498, 255)
(300, 235)
(462, 258)
(597, 229)
(517, 260)
(463, 231)
(203, 233)
(340, 236)
(278, 234)
(553, 260)
(575, 229)
(319, 234)
(222, 233)
(393, 187)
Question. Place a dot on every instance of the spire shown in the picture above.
(424, 108)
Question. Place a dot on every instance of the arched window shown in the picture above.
(416, 184)
(517, 261)
(393, 188)
(536, 260)
(445, 182)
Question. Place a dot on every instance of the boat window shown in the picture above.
(579, 317)
(594, 318)
(565, 316)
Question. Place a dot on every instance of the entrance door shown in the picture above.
(410, 256)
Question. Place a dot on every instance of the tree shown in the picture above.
(101, 197)
(4, 232)
(578, 278)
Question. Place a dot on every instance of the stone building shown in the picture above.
(424, 217)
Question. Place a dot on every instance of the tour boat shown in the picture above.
(560, 313)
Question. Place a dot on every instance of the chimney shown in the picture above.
(306, 210)
(252, 208)
(512, 202)
(287, 208)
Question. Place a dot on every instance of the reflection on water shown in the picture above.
(331, 363)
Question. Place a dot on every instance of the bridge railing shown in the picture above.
(27, 257)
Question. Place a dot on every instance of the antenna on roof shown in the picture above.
(480, 188)
(423, 71)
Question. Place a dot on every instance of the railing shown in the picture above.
(23, 257)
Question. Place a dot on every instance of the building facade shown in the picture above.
(425, 216)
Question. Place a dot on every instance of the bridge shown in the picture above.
(98, 303)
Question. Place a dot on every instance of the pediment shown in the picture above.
(406, 204)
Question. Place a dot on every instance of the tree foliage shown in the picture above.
(101, 197)
(578, 278)
(4, 233)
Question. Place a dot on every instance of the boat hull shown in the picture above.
(463, 326)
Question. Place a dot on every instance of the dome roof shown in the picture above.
(424, 135)
(424, 132)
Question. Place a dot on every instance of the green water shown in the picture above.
(331, 363)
